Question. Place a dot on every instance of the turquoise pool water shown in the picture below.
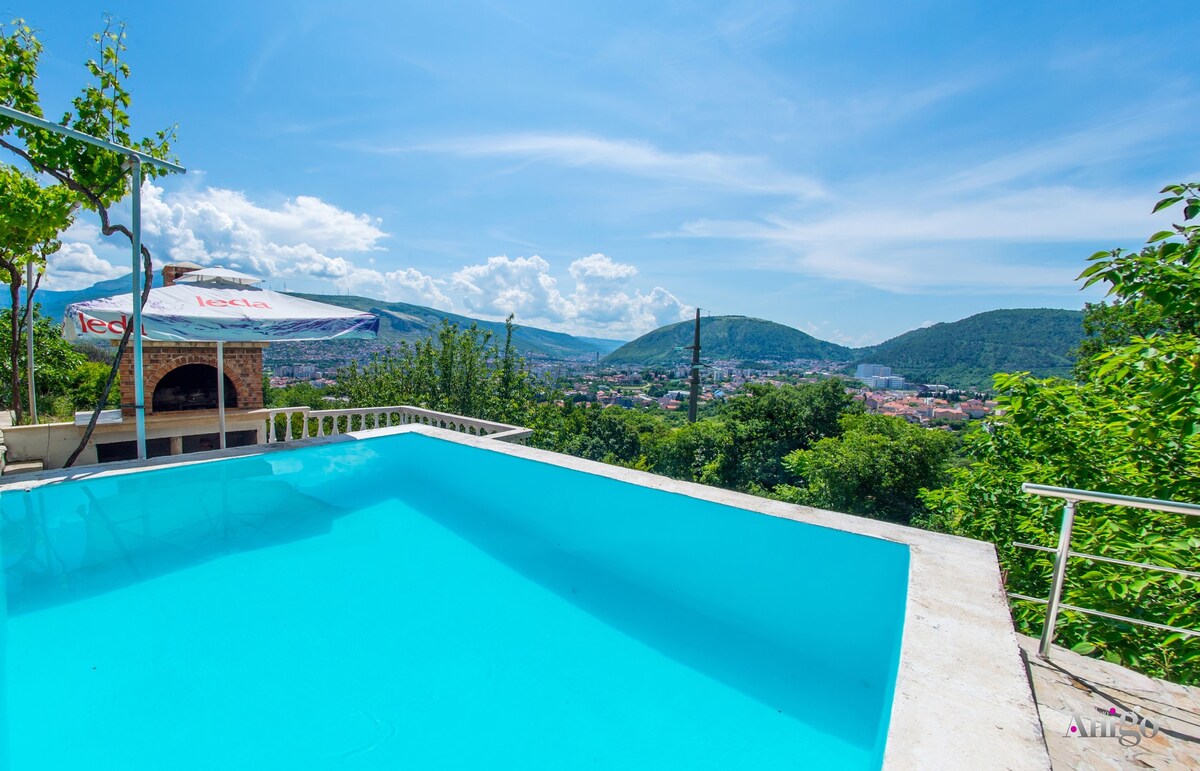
(411, 602)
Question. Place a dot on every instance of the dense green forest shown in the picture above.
(967, 353)
(737, 338)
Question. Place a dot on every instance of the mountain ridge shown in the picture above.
(966, 353)
(736, 338)
(963, 353)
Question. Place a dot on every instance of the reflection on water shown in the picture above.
(68, 541)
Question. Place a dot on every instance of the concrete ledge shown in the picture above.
(962, 698)
(52, 443)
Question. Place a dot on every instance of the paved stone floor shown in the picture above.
(1092, 695)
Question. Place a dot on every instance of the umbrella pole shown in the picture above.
(221, 390)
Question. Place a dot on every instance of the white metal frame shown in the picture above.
(135, 158)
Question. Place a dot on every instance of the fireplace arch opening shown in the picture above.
(191, 387)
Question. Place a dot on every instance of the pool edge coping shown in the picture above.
(961, 699)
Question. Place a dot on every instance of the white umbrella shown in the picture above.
(217, 275)
(209, 312)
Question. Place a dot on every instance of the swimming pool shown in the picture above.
(406, 601)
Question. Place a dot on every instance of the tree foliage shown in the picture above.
(66, 380)
(96, 177)
(611, 435)
(769, 422)
(302, 394)
(1130, 425)
(93, 178)
(31, 217)
(877, 467)
(459, 371)
(739, 446)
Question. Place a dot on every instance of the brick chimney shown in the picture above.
(175, 270)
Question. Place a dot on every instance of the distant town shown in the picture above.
(583, 380)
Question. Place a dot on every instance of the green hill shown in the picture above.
(738, 338)
(967, 353)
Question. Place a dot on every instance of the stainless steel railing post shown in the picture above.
(1062, 554)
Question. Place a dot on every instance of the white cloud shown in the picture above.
(298, 239)
(501, 285)
(661, 307)
(600, 289)
(932, 243)
(76, 266)
(740, 173)
(412, 286)
(1060, 214)
(303, 219)
(602, 301)
(308, 243)
(1068, 153)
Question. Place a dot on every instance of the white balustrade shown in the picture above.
(301, 423)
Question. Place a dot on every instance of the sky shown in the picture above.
(851, 169)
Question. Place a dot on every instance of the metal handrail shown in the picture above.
(1063, 552)
(1090, 496)
(1113, 560)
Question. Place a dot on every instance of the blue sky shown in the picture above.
(851, 169)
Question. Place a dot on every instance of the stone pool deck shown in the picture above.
(1072, 685)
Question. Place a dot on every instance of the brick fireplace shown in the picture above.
(182, 377)
(186, 390)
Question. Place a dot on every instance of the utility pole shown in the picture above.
(695, 346)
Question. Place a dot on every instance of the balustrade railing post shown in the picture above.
(1062, 554)
(368, 418)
